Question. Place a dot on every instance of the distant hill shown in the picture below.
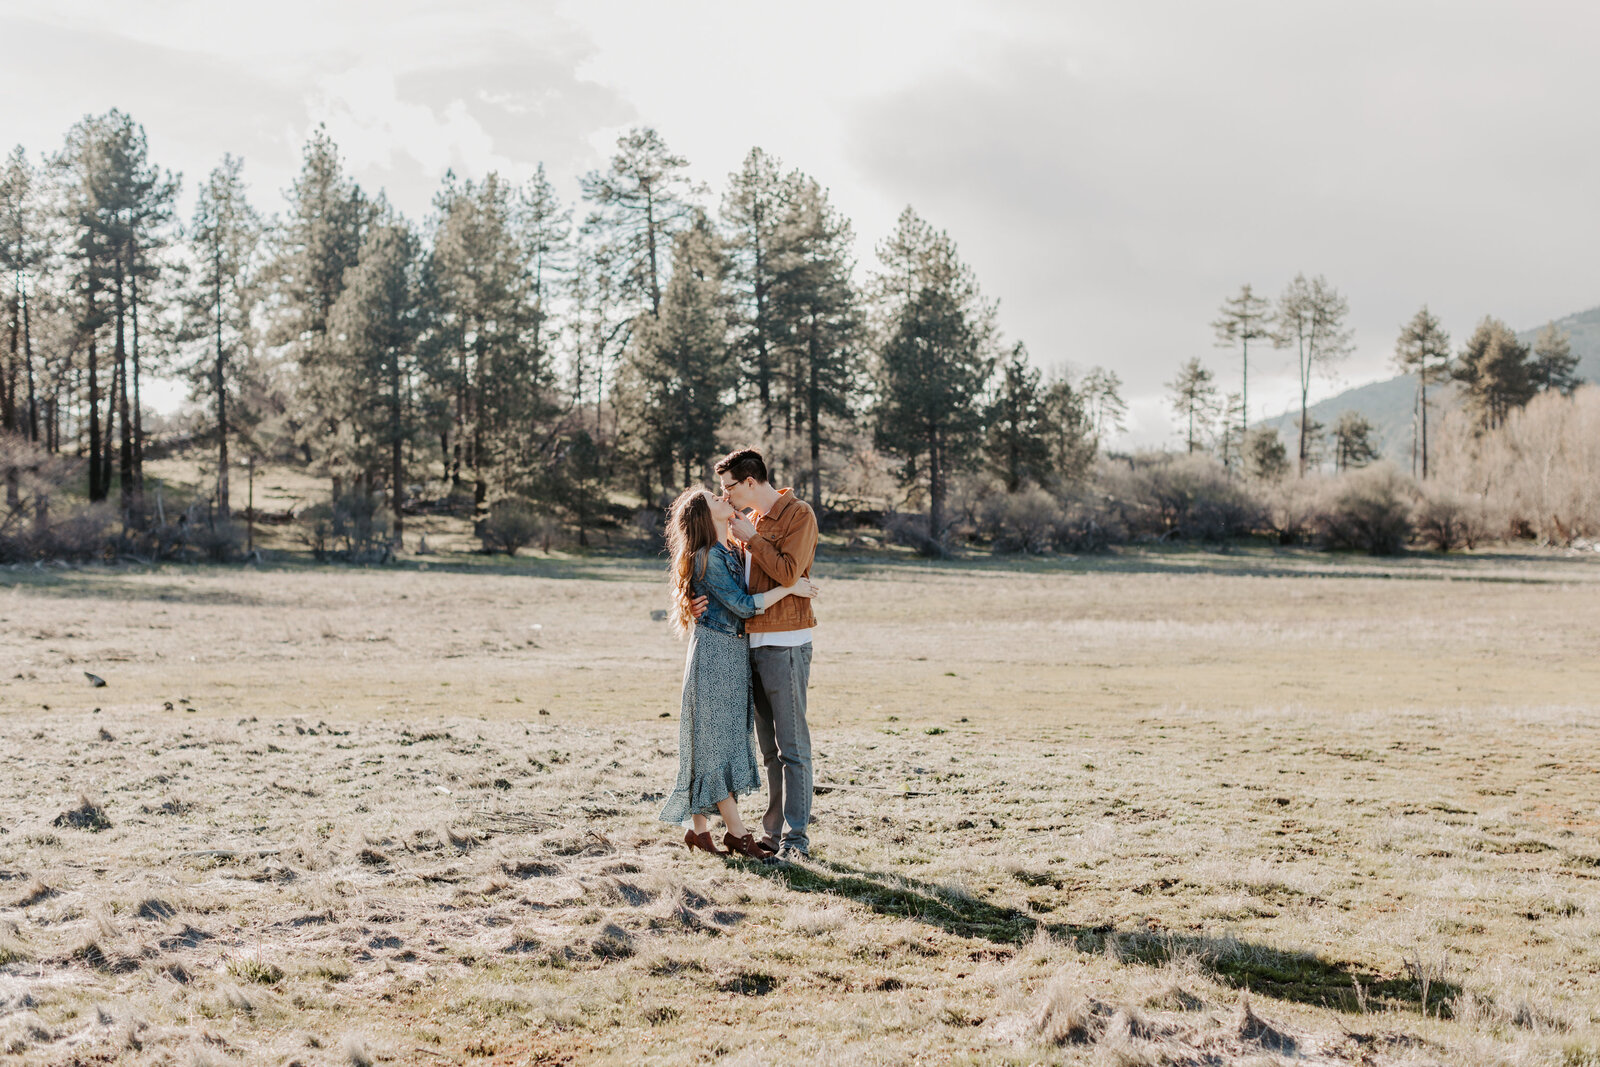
(1387, 404)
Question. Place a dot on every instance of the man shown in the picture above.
(780, 546)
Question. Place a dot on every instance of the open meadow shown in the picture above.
(1156, 807)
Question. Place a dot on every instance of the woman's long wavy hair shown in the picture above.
(690, 534)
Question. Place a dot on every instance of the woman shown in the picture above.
(715, 760)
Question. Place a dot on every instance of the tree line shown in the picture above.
(518, 351)
(1496, 372)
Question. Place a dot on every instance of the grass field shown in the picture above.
(1158, 807)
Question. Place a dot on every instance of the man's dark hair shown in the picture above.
(745, 463)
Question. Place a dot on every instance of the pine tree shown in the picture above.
(223, 238)
(136, 204)
(85, 205)
(1352, 442)
(680, 373)
(544, 226)
(934, 359)
(24, 248)
(1017, 444)
(1495, 368)
(639, 203)
(489, 354)
(1245, 317)
(318, 240)
(1069, 434)
(375, 324)
(1265, 456)
(816, 316)
(1553, 363)
(153, 194)
(600, 328)
(1310, 317)
(1423, 349)
(753, 210)
(1193, 395)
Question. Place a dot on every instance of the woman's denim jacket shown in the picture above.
(718, 575)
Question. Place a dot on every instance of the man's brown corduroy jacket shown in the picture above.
(782, 550)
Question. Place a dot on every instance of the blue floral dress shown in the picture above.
(716, 730)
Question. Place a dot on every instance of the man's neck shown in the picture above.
(766, 499)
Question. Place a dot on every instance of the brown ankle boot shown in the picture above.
(744, 846)
(701, 841)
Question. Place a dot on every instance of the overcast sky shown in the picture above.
(1111, 170)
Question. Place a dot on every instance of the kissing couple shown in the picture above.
(741, 591)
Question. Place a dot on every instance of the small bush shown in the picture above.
(352, 527)
(1447, 520)
(1188, 497)
(1089, 524)
(513, 525)
(1291, 508)
(219, 542)
(911, 529)
(1024, 521)
(38, 518)
(1368, 510)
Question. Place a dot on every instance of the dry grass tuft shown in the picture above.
(355, 1052)
(1066, 1015)
(86, 816)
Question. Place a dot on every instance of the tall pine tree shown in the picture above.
(680, 373)
(753, 210)
(1554, 366)
(318, 239)
(375, 324)
(223, 238)
(1494, 367)
(1018, 444)
(639, 203)
(485, 326)
(814, 314)
(934, 360)
(1245, 317)
(1423, 349)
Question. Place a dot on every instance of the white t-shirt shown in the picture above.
(777, 638)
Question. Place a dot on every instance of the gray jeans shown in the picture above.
(780, 677)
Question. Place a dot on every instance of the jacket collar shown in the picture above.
(785, 499)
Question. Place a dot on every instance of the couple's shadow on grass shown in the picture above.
(1301, 977)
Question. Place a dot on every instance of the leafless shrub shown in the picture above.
(1368, 510)
(1025, 521)
(1189, 497)
(911, 530)
(1446, 519)
(1541, 469)
(1292, 507)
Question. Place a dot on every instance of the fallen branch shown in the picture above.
(227, 853)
